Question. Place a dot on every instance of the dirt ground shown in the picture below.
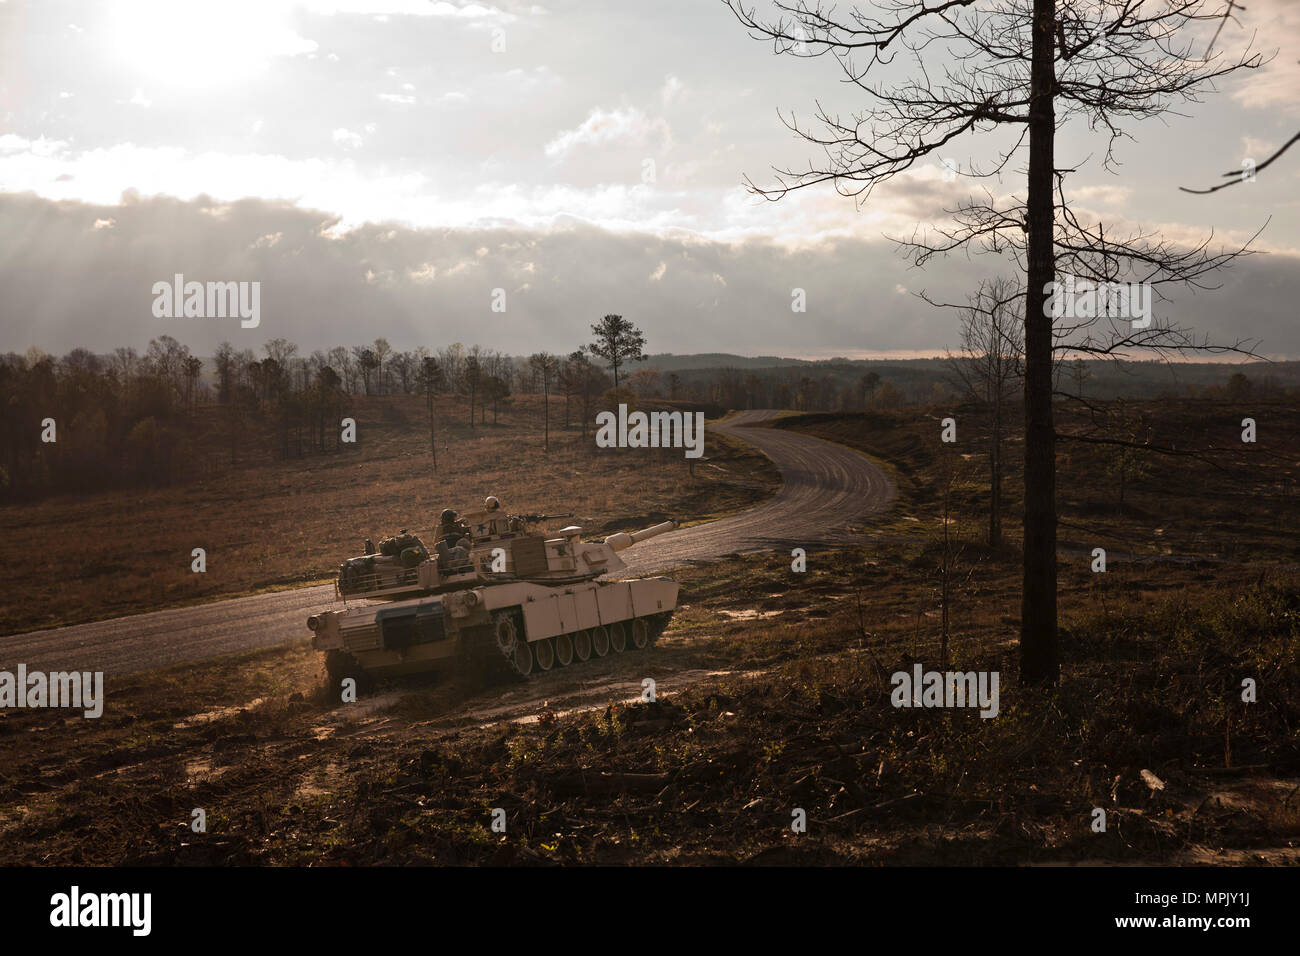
(770, 698)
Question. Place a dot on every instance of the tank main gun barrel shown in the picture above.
(622, 540)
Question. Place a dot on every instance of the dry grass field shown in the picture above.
(1207, 497)
(275, 524)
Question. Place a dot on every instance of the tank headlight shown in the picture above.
(313, 622)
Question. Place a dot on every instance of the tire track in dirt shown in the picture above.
(826, 488)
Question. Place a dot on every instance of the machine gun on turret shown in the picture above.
(537, 519)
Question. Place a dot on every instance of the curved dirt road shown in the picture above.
(825, 489)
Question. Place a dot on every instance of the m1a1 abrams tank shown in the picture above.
(504, 601)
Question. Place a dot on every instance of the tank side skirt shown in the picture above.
(548, 614)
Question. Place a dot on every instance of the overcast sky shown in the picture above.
(381, 166)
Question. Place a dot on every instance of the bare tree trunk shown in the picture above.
(234, 436)
(433, 438)
(1039, 663)
(1123, 474)
(995, 468)
(946, 570)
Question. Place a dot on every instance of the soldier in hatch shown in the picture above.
(452, 532)
(451, 528)
(491, 522)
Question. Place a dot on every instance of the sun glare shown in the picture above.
(197, 44)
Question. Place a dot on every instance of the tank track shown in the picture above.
(499, 653)
(340, 665)
(658, 624)
(485, 657)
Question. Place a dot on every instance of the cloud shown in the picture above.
(68, 284)
(406, 8)
(347, 139)
(11, 144)
(1257, 149)
(672, 91)
(200, 46)
(52, 168)
(1103, 195)
(623, 126)
(1274, 85)
(428, 195)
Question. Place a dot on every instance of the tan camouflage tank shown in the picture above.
(494, 596)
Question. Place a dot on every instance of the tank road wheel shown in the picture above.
(599, 641)
(582, 645)
(564, 650)
(506, 635)
(640, 634)
(543, 654)
(523, 658)
(504, 652)
(618, 637)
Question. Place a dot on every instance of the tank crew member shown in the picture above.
(452, 528)
(492, 522)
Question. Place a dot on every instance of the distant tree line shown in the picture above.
(833, 388)
(129, 419)
(116, 419)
